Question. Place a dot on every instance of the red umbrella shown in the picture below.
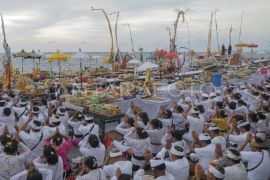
(159, 53)
(252, 45)
(171, 56)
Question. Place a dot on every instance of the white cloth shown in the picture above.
(52, 130)
(138, 147)
(46, 174)
(98, 152)
(219, 140)
(31, 140)
(262, 172)
(123, 129)
(235, 172)
(195, 124)
(178, 121)
(86, 129)
(178, 168)
(206, 154)
(12, 165)
(97, 174)
(155, 136)
(75, 125)
(240, 140)
(125, 167)
(56, 169)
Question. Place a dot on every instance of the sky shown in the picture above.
(68, 25)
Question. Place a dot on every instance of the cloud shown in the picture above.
(69, 24)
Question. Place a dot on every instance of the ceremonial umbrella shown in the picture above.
(241, 44)
(251, 46)
(80, 56)
(147, 65)
(170, 56)
(23, 54)
(159, 53)
(59, 57)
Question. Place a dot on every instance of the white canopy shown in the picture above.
(147, 65)
(80, 56)
(134, 62)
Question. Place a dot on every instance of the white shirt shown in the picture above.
(262, 172)
(52, 130)
(20, 111)
(206, 154)
(56, 169)
(178, 121)
(9, 121)
(46, 174)
(178, 168)
(31, 140)
(140, 174)
(240, 140)
(12, 165)
(195, 124)
(86, 129)
(97, 174)
(138, 147)
(165, 124)
(122, 128)
(235, 172)
(75, 125)
(98, 152)
(219, 140)
(125, 167)
(155, 136)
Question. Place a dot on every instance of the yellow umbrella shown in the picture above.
(105, 60)
(59, 57)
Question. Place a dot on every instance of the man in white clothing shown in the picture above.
(88, 127)
(178, 166)
(159, 169)
(235, 169)
(117, 160)
(258, 160)
(216, 138)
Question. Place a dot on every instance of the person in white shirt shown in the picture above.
(139, 142)
(178, 120)
(88, 127)
(90, 170)
(205, 153)
(159, 169)
(205, 101)
(257, 159)
(126, 126)
(116, 160)
(195, 124)
(143, 120)
(156, 134)
(178, 165)
(21, 110)
(185, 102)
(216, 138)
(166, 120)
(51, 161)
(8, 118)
(37, 114)
(63, 115)
(94, 148)
(75, 122)
(235, 169)
(35, 138)
(244, 128)
(13, 158)
(33, 173)
(54, 122)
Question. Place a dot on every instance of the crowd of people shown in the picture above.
(216, 135)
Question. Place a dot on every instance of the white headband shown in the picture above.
(212, 128)
(242, 124)
(216, 172)
(156, 162)
(115, 154)
(177, 152)
(229, 154)
(204, 137)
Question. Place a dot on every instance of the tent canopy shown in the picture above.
(134, 62)
(80, 56)
(147, 65)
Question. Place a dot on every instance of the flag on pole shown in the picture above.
(6, 60)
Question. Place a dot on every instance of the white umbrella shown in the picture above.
(80, 56)
(134, 62)
(147, 65)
